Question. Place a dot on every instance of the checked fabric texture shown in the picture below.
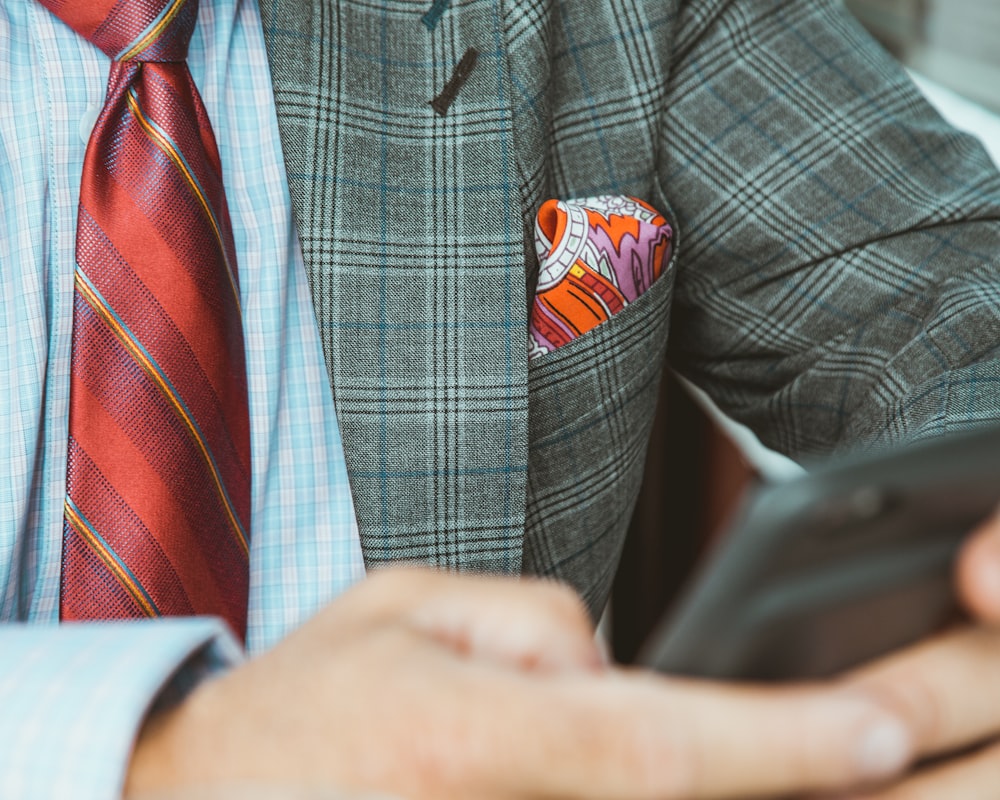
(158, 477)
(596, 255)
(834, 272)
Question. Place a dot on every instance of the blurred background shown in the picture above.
(699, 463)
(953, 42)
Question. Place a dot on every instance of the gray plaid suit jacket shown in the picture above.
(836, 279)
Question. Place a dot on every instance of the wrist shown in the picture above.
(172, 749)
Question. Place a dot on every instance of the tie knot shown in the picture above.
(131, 30)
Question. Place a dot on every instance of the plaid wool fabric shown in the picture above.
(834, 282)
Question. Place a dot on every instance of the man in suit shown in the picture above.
(832, 285)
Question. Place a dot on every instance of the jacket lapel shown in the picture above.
(410, 223)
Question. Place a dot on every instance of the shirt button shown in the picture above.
(88, 120)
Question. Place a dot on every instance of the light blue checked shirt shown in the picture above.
(72, 697)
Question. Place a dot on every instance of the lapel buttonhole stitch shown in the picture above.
(443, 101)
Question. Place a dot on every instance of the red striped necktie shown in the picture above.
(158, 477)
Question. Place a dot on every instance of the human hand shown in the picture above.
(946, 688)
(252, 792)
(434, 687)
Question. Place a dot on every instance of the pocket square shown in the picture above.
(596, 255)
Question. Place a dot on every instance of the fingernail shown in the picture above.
(603, 652)
(989, 575)
(883, 749)
(993, 536)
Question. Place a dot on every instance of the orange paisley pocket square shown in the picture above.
(596, 255)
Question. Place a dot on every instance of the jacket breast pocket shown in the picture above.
(591, 408)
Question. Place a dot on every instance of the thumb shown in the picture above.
(526, 624)
(978, 571)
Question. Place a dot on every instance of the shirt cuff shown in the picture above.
(73, 697)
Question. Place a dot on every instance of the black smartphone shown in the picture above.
(827, 571)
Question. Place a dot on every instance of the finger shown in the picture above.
(978, 571)
(943, 688)
(631, 737)
(525, 624)
(973, 777)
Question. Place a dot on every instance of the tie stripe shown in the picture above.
(110, 559)
(160, 138)
(141, 357)
(152, 32)
(158, 476)
(155, 476)
(132, 527)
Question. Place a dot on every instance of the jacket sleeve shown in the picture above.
(73, 697)
(839, 267)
